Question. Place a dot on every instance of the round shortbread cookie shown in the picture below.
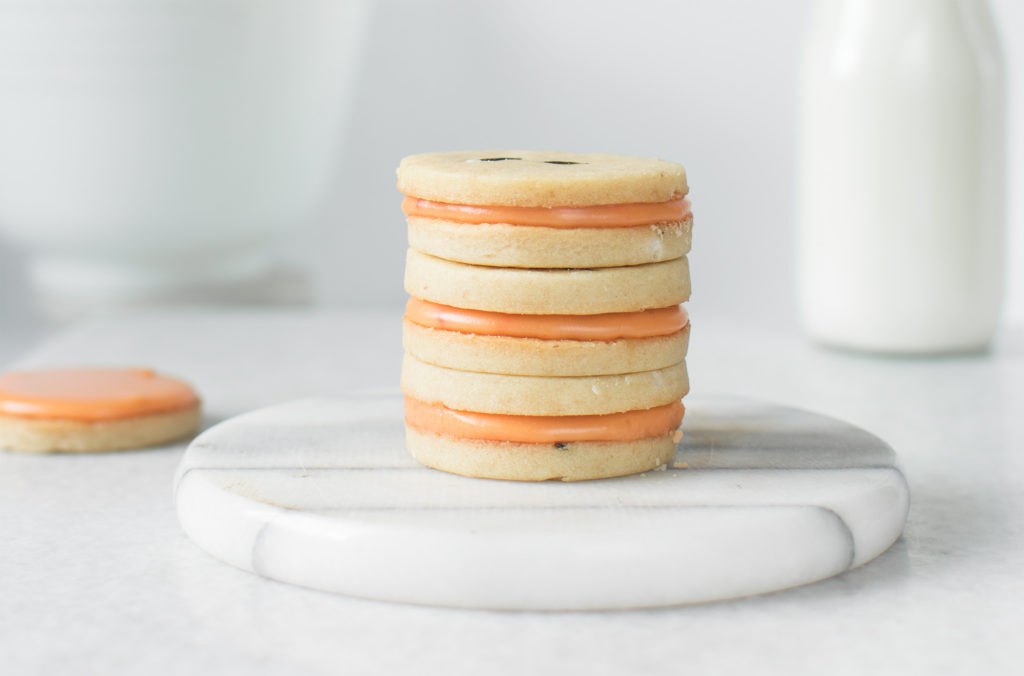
(527, 246)
(569, 461)
(547, 291)
(540, 357)
(542, 395)
(88, 409)
(42, 435)
(525, 178)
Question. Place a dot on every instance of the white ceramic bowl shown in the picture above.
(149, 145)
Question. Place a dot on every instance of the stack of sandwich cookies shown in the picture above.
(545, 336)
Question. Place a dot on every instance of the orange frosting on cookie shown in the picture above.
(611, 326)
(628, 426)
(91, 394)
(604, 216)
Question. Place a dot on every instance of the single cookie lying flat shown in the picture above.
(567, 461)
(543, 395)
(555, 291)
(93, 409)
(529, 246)
(530, 178)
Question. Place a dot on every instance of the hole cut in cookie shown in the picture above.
(519, 159)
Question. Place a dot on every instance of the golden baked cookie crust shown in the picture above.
(549, 291)
(530, 178)
(42, 435)
(570, 461)
(542, 357)
(542, 395)
(525, 246)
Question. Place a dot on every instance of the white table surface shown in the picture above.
(96, 575)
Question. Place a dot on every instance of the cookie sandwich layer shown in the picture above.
(602, 235)
(545, 345)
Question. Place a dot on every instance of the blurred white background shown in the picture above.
(709, 84)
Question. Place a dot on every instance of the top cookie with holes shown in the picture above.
(529, 178)
(547, 209)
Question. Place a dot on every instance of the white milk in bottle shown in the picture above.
(901, 175)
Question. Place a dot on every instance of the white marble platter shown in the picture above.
(321, 493)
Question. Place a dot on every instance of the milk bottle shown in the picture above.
(901, 179)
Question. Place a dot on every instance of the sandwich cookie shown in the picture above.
(545, 345)
(545, 209)
(93, 409)
(545, 337)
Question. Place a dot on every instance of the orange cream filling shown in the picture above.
(538, 429)
(602, 216)
(611, 326)
(91, 394)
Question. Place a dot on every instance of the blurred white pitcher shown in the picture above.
(149, 146)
